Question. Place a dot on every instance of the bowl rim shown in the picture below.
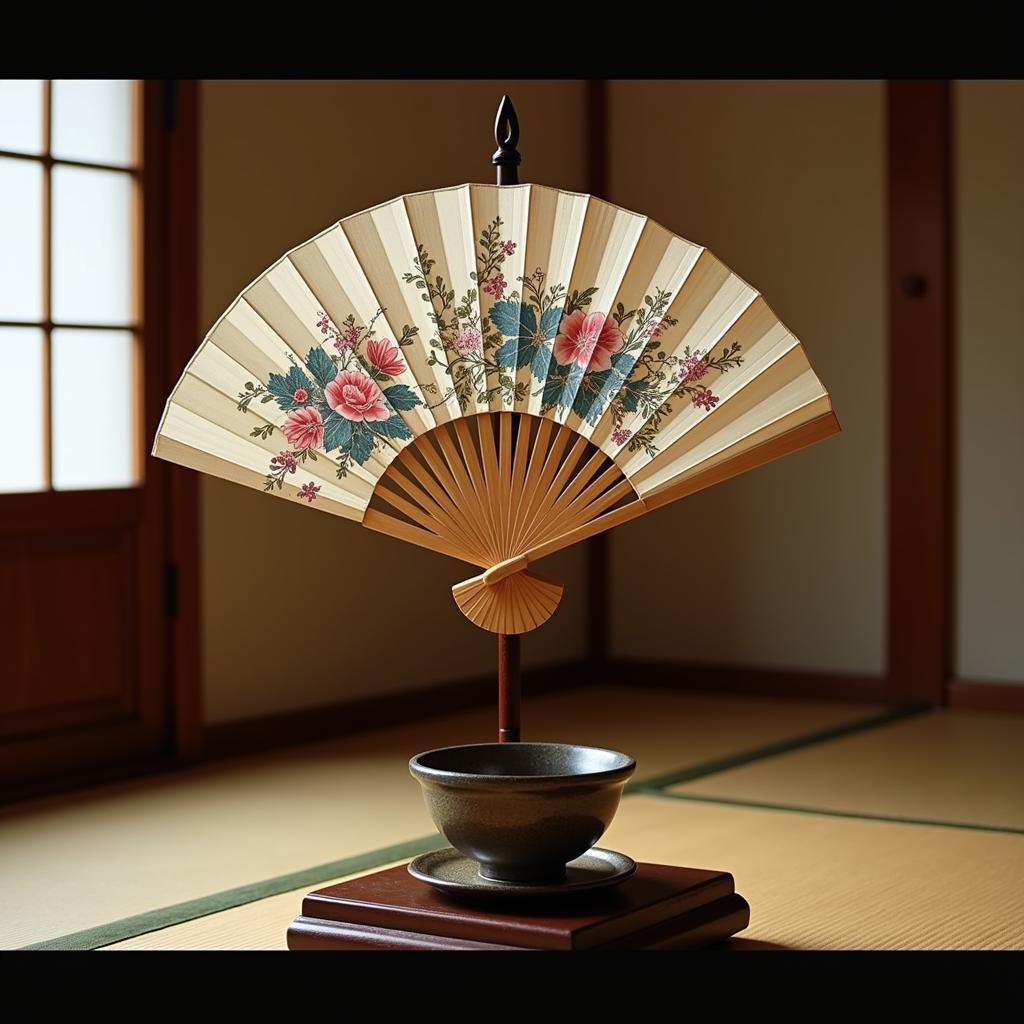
(456, 778)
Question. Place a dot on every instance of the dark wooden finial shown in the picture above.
(506, 134)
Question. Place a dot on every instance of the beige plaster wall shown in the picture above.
(989, 226)
(785, 182)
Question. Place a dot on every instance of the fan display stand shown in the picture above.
(498, 372)
(660, 907)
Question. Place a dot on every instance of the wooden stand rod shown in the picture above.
(509, 688)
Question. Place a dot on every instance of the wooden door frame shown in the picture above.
(921, 429)
(923, 407)
(172, 242)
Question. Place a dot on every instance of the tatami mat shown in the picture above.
(959, 766)
(80, 861)
(813, 882)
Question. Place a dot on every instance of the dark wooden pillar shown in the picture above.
(920, 401)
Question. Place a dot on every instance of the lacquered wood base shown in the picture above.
(660, 907)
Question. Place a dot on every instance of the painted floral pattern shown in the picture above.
(641, 378)
(463, 342)
(340, 405)
(346, 403)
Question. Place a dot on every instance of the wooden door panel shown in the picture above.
(67, 598)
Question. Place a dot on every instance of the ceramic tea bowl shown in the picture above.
(522, 810)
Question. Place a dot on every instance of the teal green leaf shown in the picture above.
(319, 364)
(337, 432)
(283, 388)
(401, 397)
(393, 427)
(362, 442)
(505, 316)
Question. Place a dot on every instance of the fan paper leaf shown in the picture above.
(607, 324)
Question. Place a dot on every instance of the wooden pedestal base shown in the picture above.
(660, 907)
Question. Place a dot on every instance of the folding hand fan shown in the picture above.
(494, 372)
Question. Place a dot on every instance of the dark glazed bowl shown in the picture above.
(522, 810)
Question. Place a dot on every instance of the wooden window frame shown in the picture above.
(168, 547)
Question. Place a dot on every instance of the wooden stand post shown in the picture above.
(509, 688)
(506, 159)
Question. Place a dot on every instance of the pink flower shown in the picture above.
(323, 323)
(309, 491)
(508, 248)
(347, 340)
(301, 395)
(704, 399)
(304, 428)
(692, 368)
(286, 461)
(587, 340)
(496, 286)
(620, 437)
(356, 397)
(384, 357)
(655, 328)
(468, 342)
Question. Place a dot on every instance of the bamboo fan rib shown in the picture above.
(494, 373)
(489, 489)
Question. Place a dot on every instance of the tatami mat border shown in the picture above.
(891, 819)
(178, 913)
(782, 747)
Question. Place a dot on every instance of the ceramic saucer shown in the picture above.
(454, 872)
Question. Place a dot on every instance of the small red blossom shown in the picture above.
(347, 340)
(286, 462)
(309, 491)
(692, 368)
(621, 436)
(508, 248)
(704, 399)
(301, 395)
(496, 286)
(468, 342)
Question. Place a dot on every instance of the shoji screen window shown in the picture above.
(69, 285)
